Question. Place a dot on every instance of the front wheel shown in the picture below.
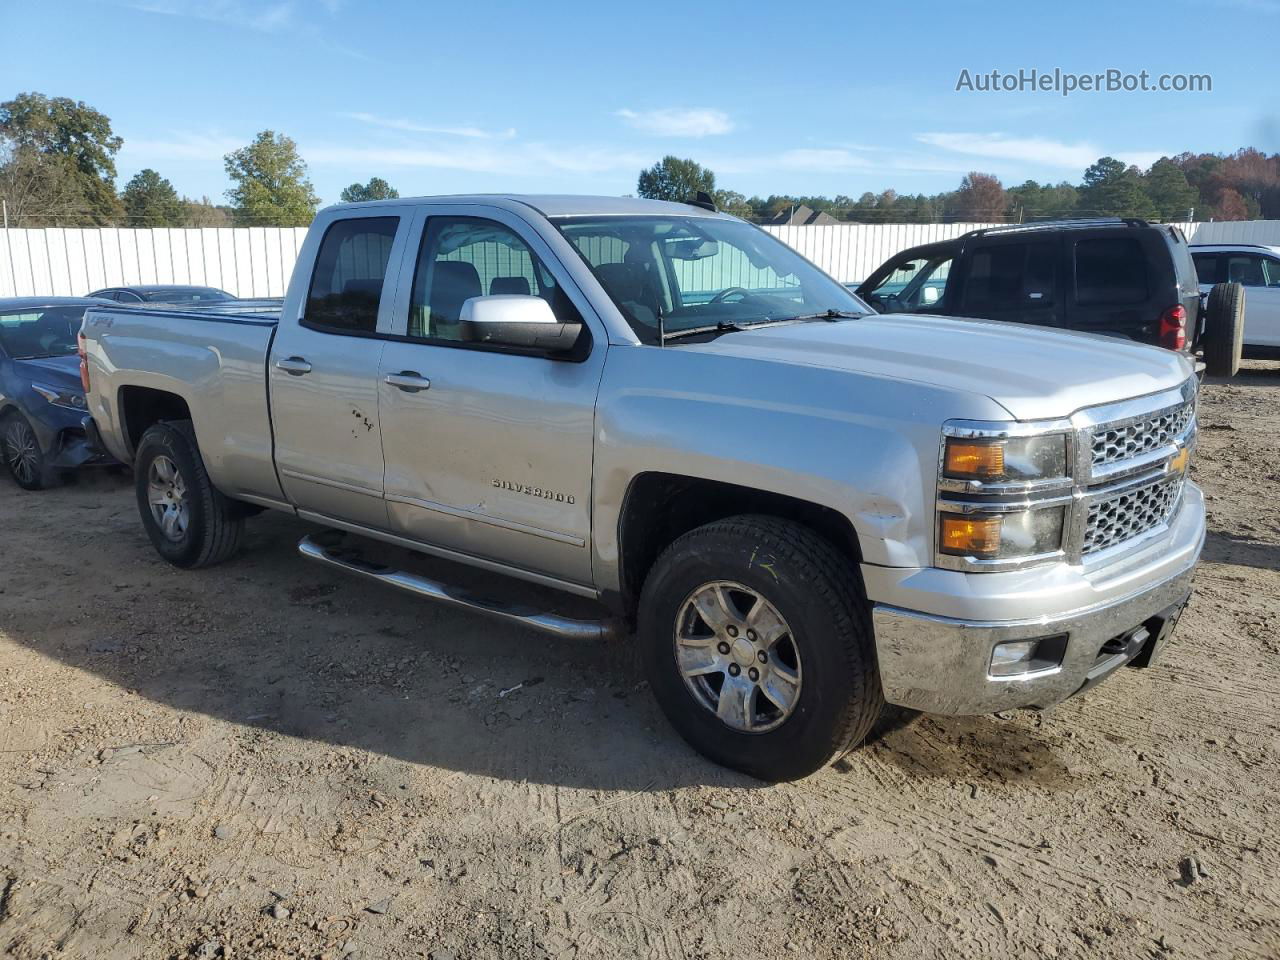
(189, 522)
(758, 646)
(23, 457)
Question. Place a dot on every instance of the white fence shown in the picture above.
(257, 261)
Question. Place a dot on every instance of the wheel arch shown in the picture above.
(660, 507)
(142, 407)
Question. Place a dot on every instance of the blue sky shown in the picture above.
(576, 97)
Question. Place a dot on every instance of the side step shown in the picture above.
(345, 558)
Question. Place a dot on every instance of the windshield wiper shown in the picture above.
(827, 315)
(723, 326)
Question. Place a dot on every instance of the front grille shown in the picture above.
(1116, 442)
(1130, 514)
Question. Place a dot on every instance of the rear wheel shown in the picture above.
(23, 457)
(758, 647)
(189, 522)
(1224, 330)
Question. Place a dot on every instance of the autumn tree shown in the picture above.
(980, 199)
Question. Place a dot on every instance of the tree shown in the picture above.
(375, 189)
(203, 213)
(1167, 188)
(271, 185)
(39, 190)
(150, 201)
(676, 180)
(732, 202)
(1036, 201)
(1111, 189)
(980, 199)
(69, 142)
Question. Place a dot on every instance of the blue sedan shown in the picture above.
(42, 405)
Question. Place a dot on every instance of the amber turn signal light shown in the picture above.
(971, 536)
(970, 460)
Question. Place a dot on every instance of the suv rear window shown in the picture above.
(1110, 270)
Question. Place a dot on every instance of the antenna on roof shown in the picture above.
(702, 199)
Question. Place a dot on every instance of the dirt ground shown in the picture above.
(269, 760)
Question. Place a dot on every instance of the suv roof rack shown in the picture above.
(1079, 224)
(1229, 243)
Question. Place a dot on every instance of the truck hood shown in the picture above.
(61, 372)
(1032, 372)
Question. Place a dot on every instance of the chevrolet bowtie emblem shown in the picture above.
(1179, 462)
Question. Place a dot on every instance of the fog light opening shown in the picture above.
(1017, 658)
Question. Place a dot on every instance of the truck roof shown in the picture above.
(558, 205)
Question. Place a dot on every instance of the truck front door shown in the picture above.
(323, 369)
(488, 449)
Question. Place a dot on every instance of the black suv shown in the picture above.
(1125, 278)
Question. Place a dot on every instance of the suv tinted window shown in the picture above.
(1206, 267)
(346, 287)
(1009, 275)
(1110, 270)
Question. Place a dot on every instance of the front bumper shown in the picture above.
(939, 664)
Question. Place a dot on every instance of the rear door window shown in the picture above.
(1010, 276)
(1110, 270)
(1206, 267)
(346, 287)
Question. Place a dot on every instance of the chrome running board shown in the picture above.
(347, 559)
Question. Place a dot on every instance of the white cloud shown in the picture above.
(679, 122)
(410, 126)
(516, 160)
(183, 146)
(1036, 151)
(263, 17)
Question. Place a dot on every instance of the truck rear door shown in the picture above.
(323, 369)
(488, 448)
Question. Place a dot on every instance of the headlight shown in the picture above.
(1001, 536)
(1004, 491)
(72, 400)
(992, 460)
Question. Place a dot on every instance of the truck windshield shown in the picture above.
(702, 273)
(40, 331)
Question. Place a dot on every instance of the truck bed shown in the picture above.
(212, 356)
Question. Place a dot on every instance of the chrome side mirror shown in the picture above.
(516, 320)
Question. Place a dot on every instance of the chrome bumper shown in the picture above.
(939, 664)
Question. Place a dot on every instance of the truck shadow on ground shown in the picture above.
(272, 642)
(1221, 547)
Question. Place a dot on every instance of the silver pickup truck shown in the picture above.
(801, 508)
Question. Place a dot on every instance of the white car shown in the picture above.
(1257, 268)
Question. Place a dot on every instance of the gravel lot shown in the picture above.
(269, 760)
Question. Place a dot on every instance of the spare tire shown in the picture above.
(1224, 329)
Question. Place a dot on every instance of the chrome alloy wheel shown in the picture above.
(738, 656)
(167, 495)
(22, 450)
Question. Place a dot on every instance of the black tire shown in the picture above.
(213, 527)
(23, 458)
(818, 593)
(1224, 330)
